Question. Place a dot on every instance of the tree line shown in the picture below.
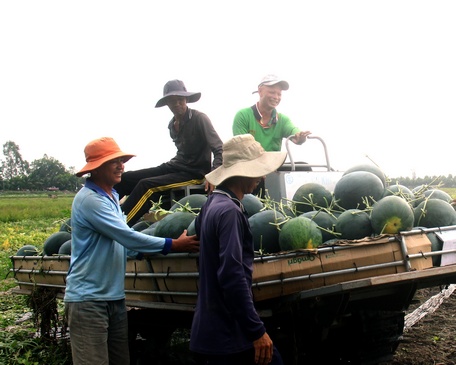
(47, 173)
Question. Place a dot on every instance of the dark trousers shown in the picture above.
(147, 185)
(98, 332)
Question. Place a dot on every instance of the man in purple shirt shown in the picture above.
(226, 328)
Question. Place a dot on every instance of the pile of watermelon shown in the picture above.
(363, 204)
(58, 243)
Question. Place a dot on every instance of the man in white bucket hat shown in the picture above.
(265, 123)
(226, 328)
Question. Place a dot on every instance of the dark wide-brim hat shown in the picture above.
(177, 88)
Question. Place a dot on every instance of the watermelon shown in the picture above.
(432, 213)
(391, 215)
(52, 244)
(174, 224)
(358, 189)
(326, 223)
(332, 241)
(433, 194)
(150, 231)
(287, 209)
(66, 226)
(141, 225)
(436, 245)
(252, 204)
(311, 196)
(65, 249)
(265, 230)
(27, 250)
(399, 190)
(299, 233)
(353, 224)
(191, 228)
(368, 168)
(190, 203)
(420, 189)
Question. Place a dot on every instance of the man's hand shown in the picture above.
(208, 187)
(263, 350)
(300, 137)
(185, 243)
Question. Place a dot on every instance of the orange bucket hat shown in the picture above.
(99, 151)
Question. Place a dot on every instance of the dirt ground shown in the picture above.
(432, 340)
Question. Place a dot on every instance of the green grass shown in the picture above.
(27, 219)
(451, 191)
(15, 208)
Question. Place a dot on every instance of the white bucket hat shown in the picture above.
(243, 156)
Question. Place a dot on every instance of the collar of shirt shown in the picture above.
(188, 115)
(92, 186)
(230, 194)
(258, 116)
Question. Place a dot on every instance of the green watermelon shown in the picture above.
(420, 189)
(174, 224)
(52, 244)
(141, 225)
(432, 213)
(190, 203)
(252, 204)
(65, 249)
(436, 245)
(27, 250)
(399, 190)
(391, 215)
(311, 196)
(326, 223)
(368, 168)
(265, 230)
(358, 189)
(353, 224)
(287, 209)
(150, 231)
(191, 228)
(66, 226)
(299, 233)
(434, 194)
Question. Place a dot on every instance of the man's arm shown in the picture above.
(300, 137)
(240, 123)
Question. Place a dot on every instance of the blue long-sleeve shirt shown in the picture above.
(225, 319)
(100, 239)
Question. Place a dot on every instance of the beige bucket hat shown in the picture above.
(243, 156)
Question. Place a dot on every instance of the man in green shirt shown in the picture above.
(262, 120)
(264, 123)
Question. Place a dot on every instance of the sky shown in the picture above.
(375, 80)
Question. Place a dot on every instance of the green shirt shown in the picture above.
(247, 121)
